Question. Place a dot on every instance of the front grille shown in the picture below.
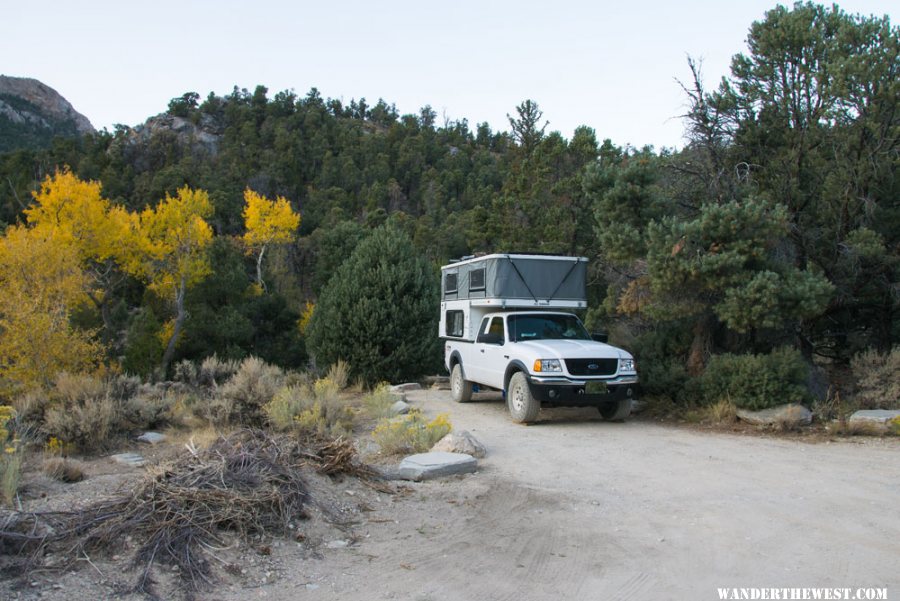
(592, 367)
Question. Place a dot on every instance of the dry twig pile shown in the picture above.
(247, 483)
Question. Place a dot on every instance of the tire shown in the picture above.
(460, 388)
(521, 404)
(615, 411)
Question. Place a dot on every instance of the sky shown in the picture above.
(613, 66)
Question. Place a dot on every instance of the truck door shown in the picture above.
(489, 349)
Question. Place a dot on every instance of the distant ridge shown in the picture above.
(32, 114)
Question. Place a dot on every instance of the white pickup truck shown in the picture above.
(503, 329)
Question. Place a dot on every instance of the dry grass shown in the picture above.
(721, 413)
(62, 469)
(339, 373)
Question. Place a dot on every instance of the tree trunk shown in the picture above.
(176, 330)
(701, 345)
(259, 278)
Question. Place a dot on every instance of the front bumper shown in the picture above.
(563, 392)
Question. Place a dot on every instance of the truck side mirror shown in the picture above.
(600, 336)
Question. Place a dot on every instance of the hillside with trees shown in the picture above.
(216, 227)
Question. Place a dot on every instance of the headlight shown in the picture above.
(626, 365)
(547, 365)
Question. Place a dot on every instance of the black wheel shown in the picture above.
(522, 406)
(616, 410)
(460, 388)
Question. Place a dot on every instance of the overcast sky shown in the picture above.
(608, 65)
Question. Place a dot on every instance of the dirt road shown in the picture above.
(577, 508)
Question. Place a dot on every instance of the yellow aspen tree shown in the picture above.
(71, 211)
(267, 222)
(41, 282)
(170, 253)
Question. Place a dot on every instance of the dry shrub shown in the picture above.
(242, 398)
(215, 371)
(62, 469)
(30, 406)
(90, 412)
(318, 411)
(186, 372)
(287, 403)
(378, 402)
(89, 423)
(10, 455)
(410, 433)
(250, 483)
(877, 379)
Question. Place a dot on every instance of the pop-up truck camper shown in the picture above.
(506, 324)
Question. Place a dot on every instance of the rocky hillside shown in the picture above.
(33, 113)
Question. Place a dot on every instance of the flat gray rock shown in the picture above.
(152, 437)
(400, 408)
(406, 387)
(436, 464)
(791, 414)
(460, 442)
(129, 459)
(876, 416)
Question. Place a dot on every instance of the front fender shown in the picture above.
(514, 366)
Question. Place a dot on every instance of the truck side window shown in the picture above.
(450, 283)
(476, 279)
(492, 333)
(455, 323)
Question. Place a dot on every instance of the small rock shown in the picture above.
(436, 464)
(152, 437)
(790, 415)
(406, 387)
(129, 459)
(400, 408)
(337, 544)
(876, 416)
(460, 442)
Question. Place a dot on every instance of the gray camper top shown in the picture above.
(517, 280)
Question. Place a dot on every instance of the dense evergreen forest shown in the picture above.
(776, 229)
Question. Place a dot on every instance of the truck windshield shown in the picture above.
(545, 327)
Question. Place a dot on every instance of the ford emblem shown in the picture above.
(593, 366)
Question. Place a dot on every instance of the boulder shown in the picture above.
(406, 387)
(874, 416)
(129, 459)
(426, 466)
(400, 408)
(460, 442)
(438, 382)
(790, 415)
(152, 437)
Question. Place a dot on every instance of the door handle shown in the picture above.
(482, 350)
(506, 356)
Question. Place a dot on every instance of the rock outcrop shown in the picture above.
(34, 113)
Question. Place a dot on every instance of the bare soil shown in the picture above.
(569, 508)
